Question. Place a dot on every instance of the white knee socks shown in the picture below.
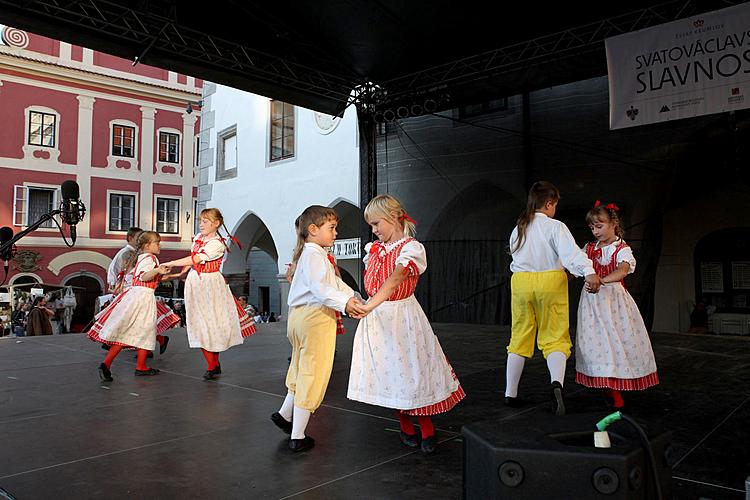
(287, 407)
(299, 422)
(556, 366)
(513, 371)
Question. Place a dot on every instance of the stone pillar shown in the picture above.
(145, 218)
(188, 178)
(83, 158)
(284, 292)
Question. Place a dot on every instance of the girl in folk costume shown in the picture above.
(542, 248)
(130, 321)
(315, 295)
(397, 361)
(215, 320)
(124, 280)
(613, 350)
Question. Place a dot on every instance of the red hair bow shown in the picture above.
(610, 206)
(406, 217)
(235, 240)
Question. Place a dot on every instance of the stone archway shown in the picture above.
(88, 287)
(348, 229)
(253, 270)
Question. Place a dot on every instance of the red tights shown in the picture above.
(425, 424)
(212, 358)
(115, 350)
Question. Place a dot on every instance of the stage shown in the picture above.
(66, 435)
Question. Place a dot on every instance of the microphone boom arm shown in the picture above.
(44, 218)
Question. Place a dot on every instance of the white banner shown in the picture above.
(346, 249)
(691, 67)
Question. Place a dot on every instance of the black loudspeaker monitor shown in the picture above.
(540, 456)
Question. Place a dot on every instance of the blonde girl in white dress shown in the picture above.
(215, 319)
(397, 361)
(130, 321)
(613, 349)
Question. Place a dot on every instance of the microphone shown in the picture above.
(6, 234)
(72, 209)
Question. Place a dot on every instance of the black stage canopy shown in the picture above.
(437, 54)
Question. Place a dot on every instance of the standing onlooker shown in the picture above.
(179, 309)
(19, 318)
(38, 322)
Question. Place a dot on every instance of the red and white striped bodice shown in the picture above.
(380, 266)
(211, 266)
(595, 254)
(137, 277)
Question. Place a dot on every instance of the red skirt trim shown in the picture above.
(618, 384)
(247, 327)
(443, 406)
(165, 318)
(340, 330)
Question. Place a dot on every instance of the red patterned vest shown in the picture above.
(595, 254)
(137, 278)
(211, 266)
(381, 265)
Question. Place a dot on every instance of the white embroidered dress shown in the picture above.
(130, 320)
(214, 320)
(397, 361)
(613, 349)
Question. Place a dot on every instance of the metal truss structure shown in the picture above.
(150, 31)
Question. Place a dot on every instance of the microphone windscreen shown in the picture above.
(70, 190)
(6, 233)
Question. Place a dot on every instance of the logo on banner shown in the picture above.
(347, 249)
(735, 96)
(632, 112)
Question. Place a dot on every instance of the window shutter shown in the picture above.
(21, 195)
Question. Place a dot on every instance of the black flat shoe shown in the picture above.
(558, 403)
(514, 402)
(147, 373)
(281, 422)
(410, 440)
(163, 347)
(304, 444)
(104, 373)
(428, 444)
(217, 370)
(209, 375)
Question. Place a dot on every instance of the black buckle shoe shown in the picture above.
(163, 347)
(304, 444)
(147, 373)
(558, 404)
(428, 444)
(104, 372)
(209, 375)
(281, 422)
(410, 440)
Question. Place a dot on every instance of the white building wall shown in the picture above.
(325, 167)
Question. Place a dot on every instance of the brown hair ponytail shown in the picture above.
(540, 193)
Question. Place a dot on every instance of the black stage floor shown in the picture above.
(66, 435)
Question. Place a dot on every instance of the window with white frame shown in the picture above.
(42, 128)
(169, 147)
(282, 131)
(123, 141)
(121, 211)
(31, 203)
(226, 153)
(167, 215)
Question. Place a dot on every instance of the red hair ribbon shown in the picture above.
(235, 240)
(610, 206)
(406, 217)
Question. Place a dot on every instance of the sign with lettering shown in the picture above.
(346, 249)
(690, 67)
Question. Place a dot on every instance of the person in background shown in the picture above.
(19, 318)
(38, 322)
